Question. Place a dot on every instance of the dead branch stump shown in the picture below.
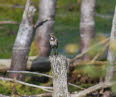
(59, 66)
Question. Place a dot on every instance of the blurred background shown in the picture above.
(66, 25)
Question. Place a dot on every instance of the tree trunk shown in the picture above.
(47, 10)
(111, 56)
(112, 51)
(23, 41)
(87, 25)
(59, 70)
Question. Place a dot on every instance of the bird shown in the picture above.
(53, 43)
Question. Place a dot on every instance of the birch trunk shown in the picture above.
(59, 70)
(87, 25)
(112, 51)
(47, 9)
(23, 41)
(111, 56)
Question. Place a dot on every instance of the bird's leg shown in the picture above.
(56, 51)
(52, 51)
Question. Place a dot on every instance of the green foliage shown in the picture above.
(7, 40)
(94, 71)
(73, 89)
(114, 88)
(34, 50)
(7, 88)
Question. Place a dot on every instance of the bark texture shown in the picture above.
(47, 10)
(111, 56)
(23, 41)
(112, 51)
(59, 66)
(87, 24)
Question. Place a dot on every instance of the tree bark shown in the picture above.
(23, 41)
(87, 25)
(47, 10)
(111, 56)
(59, 71)
(112, 51)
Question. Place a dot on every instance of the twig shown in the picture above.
(93, 88)
(104, 16)
(95, 58)
(98, 54)
(45, 95)
(27, 84)
(28, 72)
(76, 86)
(8, 22)
(12, 6)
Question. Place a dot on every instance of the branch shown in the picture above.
(8, 22)
(27, 84)
(80, 55)
(12, 6)
(36, 73)
(28, 72)
(79, 94)
(99, 54)
(104, 16)
(45, 95)
(76, 86)
(93, 88)
(39, 95)
(40, 23)
(5, 64)
(3, 95)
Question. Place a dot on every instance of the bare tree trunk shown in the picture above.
(47, 10)
(87, 24)
(23, 41)
(112, 51)
(59, 70)
(111, 56)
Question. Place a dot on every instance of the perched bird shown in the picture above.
(53, 43)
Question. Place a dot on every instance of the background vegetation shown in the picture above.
(67, 23)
